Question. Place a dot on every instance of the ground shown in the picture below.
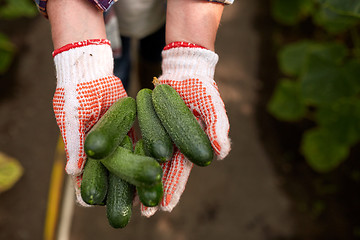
(240, 197)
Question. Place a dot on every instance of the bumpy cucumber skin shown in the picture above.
(140, 148)
(149, 196)
(94, 184)
(135, 169)
(157, 142)
(182, 125)
(109, 131)
(119, 201)
(127, 143)
(121, 194)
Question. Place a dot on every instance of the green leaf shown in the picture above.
(294, 57)
(351, 71)
(287, 103)
(331, 51)
(10, 172)
(342, 119)
(343, 7)
(291, 12)
(322, 151)
(333, 22)
(18, 8)
(7, 51)
(324, 82)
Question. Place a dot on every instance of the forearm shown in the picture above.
(193, 21)
(73, 21)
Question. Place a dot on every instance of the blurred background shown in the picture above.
(289, 74)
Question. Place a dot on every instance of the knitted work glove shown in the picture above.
(86, 88)
(190, 69)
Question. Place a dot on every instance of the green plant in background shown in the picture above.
(10, 169)
(7, 51)
(10, 10)
(321, 78)
(10, 172)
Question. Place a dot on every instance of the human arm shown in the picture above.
(74, 21)
(193, 21)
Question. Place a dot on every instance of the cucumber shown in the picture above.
(127, 143)
(119, 201)
(94, 184)
(182, 125)
(135, 169)
(106, 135)
(149, 196)
(158, 143)
(140, 148)
(120, 196)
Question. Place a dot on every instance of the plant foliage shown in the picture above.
(10, 10)
(321, 78)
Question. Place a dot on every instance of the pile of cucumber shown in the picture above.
(114, 171)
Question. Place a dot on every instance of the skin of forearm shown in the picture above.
(193, 21)
(73, 21)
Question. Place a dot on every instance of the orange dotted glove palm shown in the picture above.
(190, 69)
(86, 88)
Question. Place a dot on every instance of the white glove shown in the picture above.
(86, 88)
(190, 69)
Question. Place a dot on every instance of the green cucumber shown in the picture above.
(157, 142)
(94, 184)
(135, 169)
(140, 148)
(182, 126)
(127, 143)
(120, 196)
(149, 196)
(119, 202)
(106, 135)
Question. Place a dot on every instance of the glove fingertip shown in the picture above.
(74, 169)
(81, 202)
(169, 202)
(148, 211)
(77, 184)
(222, 148)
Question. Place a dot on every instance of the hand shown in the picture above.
(86, 88)
(189, 69)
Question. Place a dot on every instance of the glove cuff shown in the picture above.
(182, 59)
(83, 61)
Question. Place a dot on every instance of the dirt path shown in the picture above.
(238, 198)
